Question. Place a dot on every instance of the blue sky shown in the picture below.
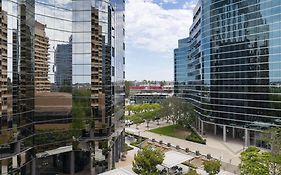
(152, 30)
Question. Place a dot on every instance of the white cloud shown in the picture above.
(154, 28)
(170, 1)
(190, 4)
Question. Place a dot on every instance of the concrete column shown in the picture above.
(255, 138)
(15, 162)
(33, 167)
(72, 162)
(215, 129)
(110, 166)
(202, 127)
(246, 137)
(198, 124)
(224, 133)
(233, 132)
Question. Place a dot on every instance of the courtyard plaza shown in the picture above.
(125, 167)
(227, 152)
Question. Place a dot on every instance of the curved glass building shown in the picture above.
(180, 59)
(236, 90)
(61, 86)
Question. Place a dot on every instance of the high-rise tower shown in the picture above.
(237, 83)
(62, 86)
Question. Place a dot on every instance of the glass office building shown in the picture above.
(180, 66)
(237, 87)
(61, 86)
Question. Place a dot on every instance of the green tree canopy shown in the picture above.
(146, 160)
(273, 137)
(127, 88)
(254, 162)
(212, 167)
(178, 111)
(192, 172)
(137, 119)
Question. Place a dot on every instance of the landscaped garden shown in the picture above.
(138, 140)
(179, 132)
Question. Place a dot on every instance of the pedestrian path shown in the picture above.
(215, 148)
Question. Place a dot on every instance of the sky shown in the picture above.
(153, 28)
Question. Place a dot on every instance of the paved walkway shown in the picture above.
(228, 152)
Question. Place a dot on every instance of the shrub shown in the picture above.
(212, 167)
(192, 172)
(194, 137)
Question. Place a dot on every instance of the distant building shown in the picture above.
(148, 98)
(5, 96)
(41, 57)
(63, 66)
(181, 57)
(145, 89)
(149, 93)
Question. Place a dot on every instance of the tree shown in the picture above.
(187, 114)
(127, 88)
(273, 137)
(254, 162)
(129, 108)
(212, 167)
(137, 109)
(148, 116)
(178, 111)
(169, 108)
(192, 172)
(146, 160)
(137, 119)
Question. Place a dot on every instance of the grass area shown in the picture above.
(179, 132)
(172, 131)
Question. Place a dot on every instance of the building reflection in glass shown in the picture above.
(62, 92)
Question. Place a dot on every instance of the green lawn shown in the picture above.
(178, 132)
(172, 131)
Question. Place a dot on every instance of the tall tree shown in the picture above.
(127, 88)
(186, 114)
(178, 111)
(146, 160)
(148, 116)
(254, 162)
(273, 137)
(137, 119)
(212, 167)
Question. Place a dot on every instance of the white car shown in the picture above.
(128, 122)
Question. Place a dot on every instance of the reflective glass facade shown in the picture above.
(180, 66)
(62, 91)
(235, 77)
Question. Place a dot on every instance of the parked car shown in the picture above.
(128, 122)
